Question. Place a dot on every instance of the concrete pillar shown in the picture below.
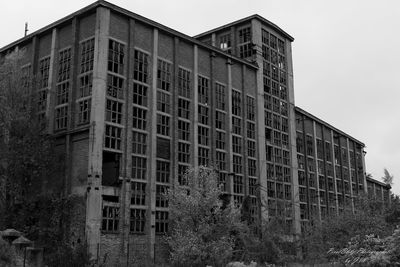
(244, 134)
(229, 182)
(71, 104)
(349, 173)
(195, 107)
(316, 169)
(174, 116)
(211, 109)
(52, 83)
(334, 172)
(126, 160)
(260, 127)
(292, 140)
(153, 144)
(213, 42)
(96, 134)
(363, 176)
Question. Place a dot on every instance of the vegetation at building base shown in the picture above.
(7, 254)
(31, 170)
(207, 232)
(336, 231)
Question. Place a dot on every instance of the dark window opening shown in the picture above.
(111, 163)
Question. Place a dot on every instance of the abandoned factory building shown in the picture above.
(134, 103)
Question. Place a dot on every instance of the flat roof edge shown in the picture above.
(379, 182)
(255, 16)
(52, 25)
(134, 16)
(302, 111)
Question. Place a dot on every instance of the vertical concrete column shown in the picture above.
(153, 145)
(213, 41)
(74, 70)
(334, 172)
(260, 127)
(244, 133)
(211, 107)
(349, 172)
(96, 134)
(174, 115)
(234, 40)
(292, 139)
(34, 57)
(71, 104)
(52, 83)
(33, 72)
(325, 169)
(229, 182)
(363, 177)
(126, 172)
(195, 106)
(316, 170)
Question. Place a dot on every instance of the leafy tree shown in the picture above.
(203, 233)
(387, 178)
(32, 196)
(393, 212)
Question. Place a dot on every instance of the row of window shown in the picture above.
(276, 105)
(272, 41)
(278, 173)
(138, 219)
(274, 88)
(342, 156)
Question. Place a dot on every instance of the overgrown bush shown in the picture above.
(203, 233)
(336, 231)
(7, 254)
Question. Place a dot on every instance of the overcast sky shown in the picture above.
(346, 55)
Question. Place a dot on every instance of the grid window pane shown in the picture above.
(163, 172)
(113, 111)
(183, 108)
(140, 67)
(161, 222)
(139, 168)
(115, 86)
(113, 137)
(163, 75)
(87, 55)
(184, 82)
(140, 94)
(183, 130)
(116, 57)
(220, 96)
(138, 193)
(183, 152)
(163, 124)
(203, 90)
(139, 118)
(110, 219)
(84, 111)
(137, 220)
(139, 143)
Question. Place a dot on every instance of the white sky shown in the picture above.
(345, 54)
